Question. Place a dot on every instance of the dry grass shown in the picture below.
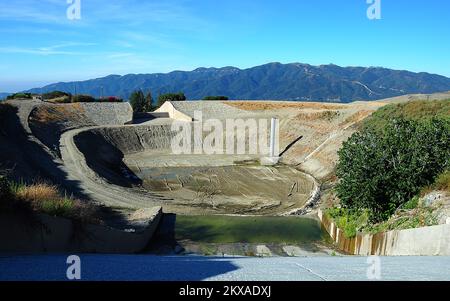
(266, 105)
(58, 113)
(321, 115)
(46, 198)
(357, 117)
(38, 192)
(62, 99)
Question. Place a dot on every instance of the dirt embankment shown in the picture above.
(86, 145)
(29, 139)
(48, 121)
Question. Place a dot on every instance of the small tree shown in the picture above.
(148, 105)
(170, 97)
(215, 98)
(140, 102)
(137, 101)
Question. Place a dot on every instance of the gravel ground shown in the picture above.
(211, 109)
(143, 267)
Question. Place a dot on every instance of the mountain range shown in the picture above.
(3, 95)
(274, 81)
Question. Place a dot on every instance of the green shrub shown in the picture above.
(411, 204)
(379, 170)
(170, 97)
(215, 98)
(20, 96)
(82, 98)
(63, 207)
(350, 221)
(56, 94)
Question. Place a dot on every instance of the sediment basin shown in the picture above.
(136, 168)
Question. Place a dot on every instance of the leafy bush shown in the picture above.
(379, 170)
(350, 221)
(82, 98)
(20, 96)
(170, 97)
(215, 98)
(411, 204)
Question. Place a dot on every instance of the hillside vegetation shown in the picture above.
(415, 110)
(399, 153)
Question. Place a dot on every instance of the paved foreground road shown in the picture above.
(144, 267)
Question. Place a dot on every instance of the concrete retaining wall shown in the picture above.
(108, 113)
(427, 241)
(47, 234)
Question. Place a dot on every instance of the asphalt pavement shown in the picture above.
(194, 268)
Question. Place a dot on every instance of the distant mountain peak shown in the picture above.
(274, 81)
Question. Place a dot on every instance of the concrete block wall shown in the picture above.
(426, 241)
(108, 113)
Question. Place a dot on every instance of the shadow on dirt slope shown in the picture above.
(26, 159)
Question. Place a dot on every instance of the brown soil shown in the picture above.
(266, 105)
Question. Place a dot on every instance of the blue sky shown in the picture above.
(40, 45)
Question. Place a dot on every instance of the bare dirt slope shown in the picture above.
(320, 129)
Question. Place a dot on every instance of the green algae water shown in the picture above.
(236, 229)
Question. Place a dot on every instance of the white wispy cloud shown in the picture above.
(58, 49)
(36, 51)
(120, 55)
